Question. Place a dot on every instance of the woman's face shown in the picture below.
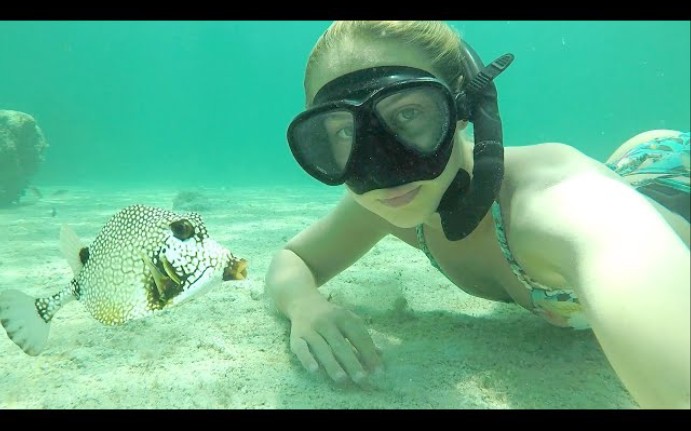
(409, 204)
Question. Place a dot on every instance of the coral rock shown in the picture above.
(22, 148)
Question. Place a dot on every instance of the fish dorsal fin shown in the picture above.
(71, 247)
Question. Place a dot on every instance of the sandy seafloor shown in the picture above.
(442, 348)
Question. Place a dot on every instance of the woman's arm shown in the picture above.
(321, 251)
(323, 333)
(631, 273)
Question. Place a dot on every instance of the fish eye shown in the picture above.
(182, 229)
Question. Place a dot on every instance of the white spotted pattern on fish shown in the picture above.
(144, 259)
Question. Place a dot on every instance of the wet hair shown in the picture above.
(440, 42)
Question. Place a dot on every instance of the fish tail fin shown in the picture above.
(22, 321)
(27, 319)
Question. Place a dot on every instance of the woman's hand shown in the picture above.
(335, 338)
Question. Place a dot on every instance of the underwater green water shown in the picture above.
(195, 103)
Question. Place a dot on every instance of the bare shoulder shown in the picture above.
(542, 165)
(547, 153)
(531, 169)
(533, 172)
(545, 172)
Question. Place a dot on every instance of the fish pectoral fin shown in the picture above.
(71, 247)
(161, 281)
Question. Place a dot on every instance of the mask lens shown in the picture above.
(324, 141)
(418, 117)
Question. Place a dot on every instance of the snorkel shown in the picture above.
(466, 201)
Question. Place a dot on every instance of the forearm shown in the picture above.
(630, 271)
(289, 282)
(641, 319)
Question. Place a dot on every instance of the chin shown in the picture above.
(403, 221)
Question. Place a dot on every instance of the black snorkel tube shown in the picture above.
(466, 201)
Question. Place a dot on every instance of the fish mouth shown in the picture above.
(236, 270)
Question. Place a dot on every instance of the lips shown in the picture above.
(398, 200)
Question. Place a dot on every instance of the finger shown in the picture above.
(344, 354)
(301, 349)
(321, 349)
(358, 336)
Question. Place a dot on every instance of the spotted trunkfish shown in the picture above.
(144, 259)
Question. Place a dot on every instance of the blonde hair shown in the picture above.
(438, 40)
